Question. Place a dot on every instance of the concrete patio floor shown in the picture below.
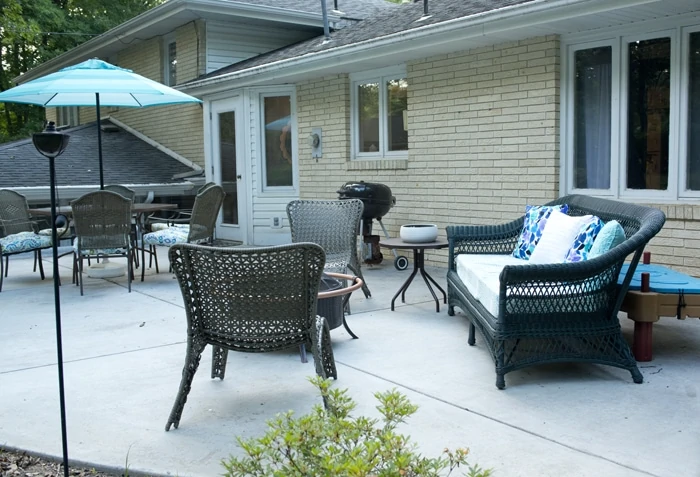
(124, 354)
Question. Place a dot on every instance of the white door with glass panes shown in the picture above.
(228, 164)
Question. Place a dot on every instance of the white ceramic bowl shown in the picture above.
(418, 233)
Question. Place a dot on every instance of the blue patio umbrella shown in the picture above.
(95, 83)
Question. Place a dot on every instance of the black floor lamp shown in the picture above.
(51, 143)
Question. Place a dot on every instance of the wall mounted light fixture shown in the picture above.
(315, 143)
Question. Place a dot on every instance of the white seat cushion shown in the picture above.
(167, 237)
(480, 274)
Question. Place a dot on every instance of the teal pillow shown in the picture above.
(535, 220)
(610, 236)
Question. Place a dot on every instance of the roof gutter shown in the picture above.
(482, 24)
(148, 19)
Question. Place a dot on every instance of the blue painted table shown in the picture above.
(670, 293)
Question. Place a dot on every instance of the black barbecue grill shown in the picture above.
(377, 200)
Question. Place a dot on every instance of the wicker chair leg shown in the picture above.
(322, 350)
(41, 264)
(219, 356)
(355, 268)
(2, 271)
(7, 264)
(129, 269)
(302, 353)
(500, 381)
(80, 273)
(451, 310)
(637, 375)
(194, 353)
(472, 334)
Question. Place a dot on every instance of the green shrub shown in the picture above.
(331, 442)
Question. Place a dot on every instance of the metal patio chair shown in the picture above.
(102, 221)
(199, 229)
(334, 225)
(251, 300)
(19, 232)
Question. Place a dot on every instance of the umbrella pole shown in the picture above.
(99, 139)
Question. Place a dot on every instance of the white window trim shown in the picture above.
(567, 113)
(271, 191)
(683, 191)
(649, 194)
(379, 76)
(167, 40)
(679, 33)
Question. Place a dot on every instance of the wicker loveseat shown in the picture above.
(563, 312)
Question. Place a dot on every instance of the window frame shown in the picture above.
(167, 41)
(264, 189)
(381, 77)
(679, 35)
(684, 114)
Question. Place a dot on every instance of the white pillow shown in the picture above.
(558, 237)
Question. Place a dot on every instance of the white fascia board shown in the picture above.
(41, 194)
(458, 29)
(145, 22)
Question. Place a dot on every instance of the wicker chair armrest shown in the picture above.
(482, 239)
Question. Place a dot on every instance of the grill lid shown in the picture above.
(368, 192)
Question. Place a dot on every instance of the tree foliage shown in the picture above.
(35, 31)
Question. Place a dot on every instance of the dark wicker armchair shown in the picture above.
(334, 225)
(565, 312)
(198, 229)
(102, 221)
(251, 300)
(18, 232)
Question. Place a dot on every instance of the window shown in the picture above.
(67, 116)
(379, 106)
(170, 62)
(278, 138)
(633, 116)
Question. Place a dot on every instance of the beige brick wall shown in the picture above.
(483, 137)
(678, 243)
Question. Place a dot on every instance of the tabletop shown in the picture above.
(399, 244)
(661, 279)
(137, 208)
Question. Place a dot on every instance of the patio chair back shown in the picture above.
(102, 219)
(332, 224)
(122, 190)
(250, 300)
(205, 211)
(14, 213)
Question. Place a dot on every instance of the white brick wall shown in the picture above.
(483, 137)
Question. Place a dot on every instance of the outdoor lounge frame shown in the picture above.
(556, 312)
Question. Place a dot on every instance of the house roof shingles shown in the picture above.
(350, 8)
(395, 20)
(126, 160)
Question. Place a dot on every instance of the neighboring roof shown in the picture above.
(297, 14)
(126, 160)
(406, 17)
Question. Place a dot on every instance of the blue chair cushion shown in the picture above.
(24, 242)
(610, 236)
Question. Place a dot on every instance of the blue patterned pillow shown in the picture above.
(584, 241)
(535, 220)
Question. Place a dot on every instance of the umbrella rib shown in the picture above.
(52, 97)
(137, 101)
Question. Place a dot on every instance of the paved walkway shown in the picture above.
(124, 354)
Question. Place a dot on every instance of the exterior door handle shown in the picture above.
(239, 177)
